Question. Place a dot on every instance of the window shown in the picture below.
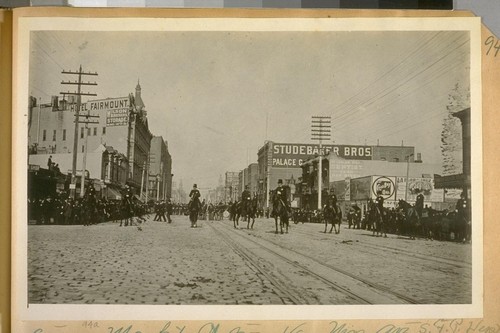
(88, 131)
(83, 149)
(54, 135)
(103, 130)
(81, 132)
(44, 137)
(95, 131)
(64, 135)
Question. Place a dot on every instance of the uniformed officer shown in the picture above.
(463, 206)
(281, 192)
(379, 202)
(246, 195)
(195, 193)
(419, 204)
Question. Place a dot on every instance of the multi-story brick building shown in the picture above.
(120, 125)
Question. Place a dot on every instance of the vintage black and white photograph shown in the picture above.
(255, 163)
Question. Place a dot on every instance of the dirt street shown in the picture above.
(218, 264)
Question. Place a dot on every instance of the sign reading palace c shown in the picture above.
(292, 155)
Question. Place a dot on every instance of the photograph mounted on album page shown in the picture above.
(190, 167)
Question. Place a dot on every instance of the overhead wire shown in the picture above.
(389, 88)
(369, 112)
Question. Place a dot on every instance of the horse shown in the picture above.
(280, 211)
(194, 207)
(376, 220)
(251, 212)
(332, 214)
(411, 222)
(245, 208)
(235, 213)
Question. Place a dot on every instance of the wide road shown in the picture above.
(161, 263)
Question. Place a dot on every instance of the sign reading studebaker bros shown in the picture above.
(292, 155)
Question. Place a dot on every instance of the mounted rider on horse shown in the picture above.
(332, 213)
(246, 203)
(194, 205)
(378, 216)
(281, 206)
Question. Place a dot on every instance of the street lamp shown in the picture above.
(407, 175)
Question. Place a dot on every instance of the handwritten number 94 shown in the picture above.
(492, 42)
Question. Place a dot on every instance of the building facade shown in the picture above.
(232, 186)
(250, 176)
(285, 160)
(119, 125)
(160, 170)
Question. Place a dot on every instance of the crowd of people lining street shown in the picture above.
(91, 209)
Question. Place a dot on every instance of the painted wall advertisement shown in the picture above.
(418, 186)
(117, 117)
(384, 186)
(292, 155)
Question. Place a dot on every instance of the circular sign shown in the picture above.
(384, 187)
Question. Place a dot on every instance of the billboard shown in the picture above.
(416, 186)
(292, 155)
(360, 188)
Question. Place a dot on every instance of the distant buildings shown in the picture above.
(285, 161)
(160, 170)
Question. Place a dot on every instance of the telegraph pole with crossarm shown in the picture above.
(321, 128)
(78, 95)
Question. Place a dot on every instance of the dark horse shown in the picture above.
(411, 221)
(194, 207)
(376, 220)
(332, 214)
(280, 211)
(249, 211)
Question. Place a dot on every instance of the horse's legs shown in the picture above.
(253, 221)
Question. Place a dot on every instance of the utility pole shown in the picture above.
(407, 175)
(86, 134)
(320, 130)
(78, 95)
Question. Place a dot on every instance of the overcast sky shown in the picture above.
(209, 93)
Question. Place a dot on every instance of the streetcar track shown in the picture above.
(371, 284)
(435, 259)
(251, 261)
(308, 271)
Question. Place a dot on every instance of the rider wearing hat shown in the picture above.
(419, 204)
(379, 202)
(246, 195)
(281, 193)
(195, 193)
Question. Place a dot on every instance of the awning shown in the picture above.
(452, 181)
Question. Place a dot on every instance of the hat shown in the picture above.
(246, 186)
(194, 185)
(280, 181)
